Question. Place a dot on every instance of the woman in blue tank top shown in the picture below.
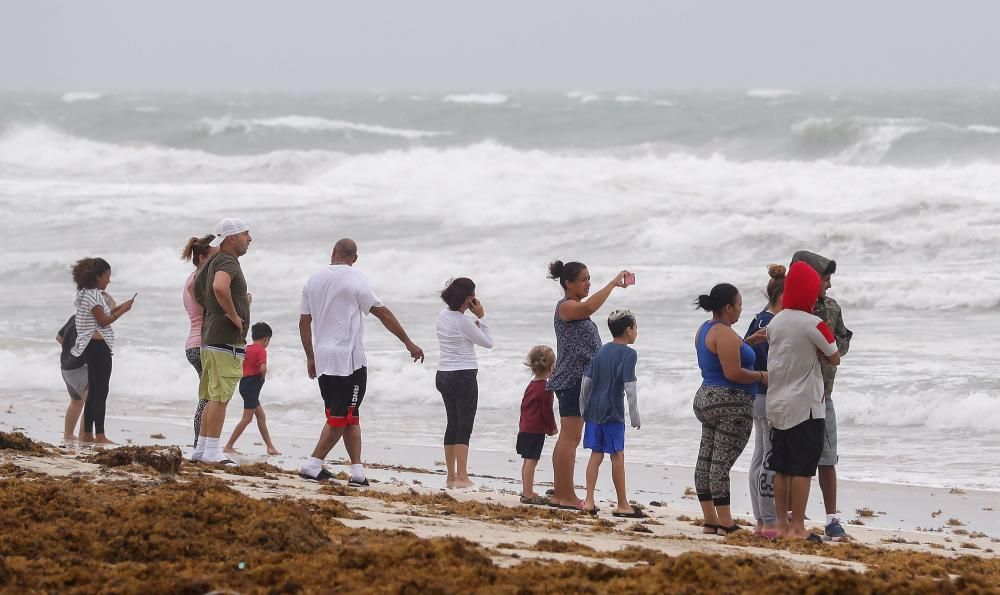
(723, 403)
(577, 341)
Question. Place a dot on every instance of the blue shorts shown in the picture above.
(608, 438)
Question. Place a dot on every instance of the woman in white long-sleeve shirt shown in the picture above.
(458, 336)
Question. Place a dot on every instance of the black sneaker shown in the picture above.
(323, 475)
(358, 484)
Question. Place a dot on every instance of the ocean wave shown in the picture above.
(629, 99)
(870, 140)
(477, 98)
(583, 96)
(771, 93)
(75, 96)
(216, 126)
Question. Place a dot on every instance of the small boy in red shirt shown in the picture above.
(254, 370)
(537, 420)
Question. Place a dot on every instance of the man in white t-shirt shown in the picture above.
(795, 406)
(335, 301)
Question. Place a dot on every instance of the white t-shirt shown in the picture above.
(86, 324)
(338, 298)
(458, 336)
(794, 376)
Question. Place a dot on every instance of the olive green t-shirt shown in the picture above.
(216, 328)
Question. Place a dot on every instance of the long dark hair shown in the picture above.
(565, 273)
(457, 291)
(716, 300)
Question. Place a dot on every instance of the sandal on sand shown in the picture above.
(579, 506)
(534, 500)
(729, 530)
(635, 514)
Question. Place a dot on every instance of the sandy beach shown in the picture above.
(126, 520)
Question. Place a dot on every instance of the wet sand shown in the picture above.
(131, 520)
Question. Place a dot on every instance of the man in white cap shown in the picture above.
(221, 290)
(335, 301)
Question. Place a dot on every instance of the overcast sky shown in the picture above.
(288, 45)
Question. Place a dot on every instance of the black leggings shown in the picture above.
(193, 356)
(460, 392)
(98, 357)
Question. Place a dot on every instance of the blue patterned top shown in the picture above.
(577, 341)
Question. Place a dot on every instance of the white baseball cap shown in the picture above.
(229, 226)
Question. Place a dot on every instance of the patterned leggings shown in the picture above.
(194, 358)
(726, 416)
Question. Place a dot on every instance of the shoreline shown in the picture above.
(405, 511)
(892, 506)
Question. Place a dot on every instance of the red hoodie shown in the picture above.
(802, 286)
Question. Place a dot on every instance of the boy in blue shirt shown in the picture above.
(610, 377)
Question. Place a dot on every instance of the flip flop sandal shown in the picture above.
(534, 500)
(578, 507)
(590, 511)
(730, 530)
(635, 514)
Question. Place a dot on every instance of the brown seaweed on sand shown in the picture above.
(162, 459)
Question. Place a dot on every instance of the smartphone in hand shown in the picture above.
(629, 279)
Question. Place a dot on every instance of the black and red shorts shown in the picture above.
(342, 396)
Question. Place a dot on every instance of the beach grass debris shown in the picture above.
(639, 528)
(936, 514)
(161, 459)
(960, 532)
(855, 522)
(957, 491)
(689, 492)
(865, 512)
(684, 518)
(21, 443)
(969, 545)
(953, 522)
(265, 470)
(157, 436)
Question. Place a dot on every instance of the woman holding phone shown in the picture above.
(458, 336)
(577, 341)
(96, 311)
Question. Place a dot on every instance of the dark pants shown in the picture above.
(98, 357)
(460, 392)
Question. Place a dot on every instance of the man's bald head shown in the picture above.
(345, 250)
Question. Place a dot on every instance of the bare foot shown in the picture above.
(273, 451)
(230, 450)
(69, 438)
(102, 439)
(462, 483)
(86, 437)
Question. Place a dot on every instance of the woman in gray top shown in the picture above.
(577, 340)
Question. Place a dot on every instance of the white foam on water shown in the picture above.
(75, 96)
(477, 98)
(771, 93)
(300, 123)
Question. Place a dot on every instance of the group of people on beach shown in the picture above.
(776, 380)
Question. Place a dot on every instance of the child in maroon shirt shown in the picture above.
(537, 420)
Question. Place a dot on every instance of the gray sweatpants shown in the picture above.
(762, 480)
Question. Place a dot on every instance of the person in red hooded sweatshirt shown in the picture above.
(795, 404)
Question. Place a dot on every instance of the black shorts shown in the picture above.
(569, 401)
(529, 445)
(250, 390)
(342, 396)
(795, 451)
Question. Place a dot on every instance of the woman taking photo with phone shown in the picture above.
(95, 339)
(577, 341)
(458, 336)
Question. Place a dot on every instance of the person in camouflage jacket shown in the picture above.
(829, 310)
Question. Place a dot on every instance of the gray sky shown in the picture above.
(299, 45)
